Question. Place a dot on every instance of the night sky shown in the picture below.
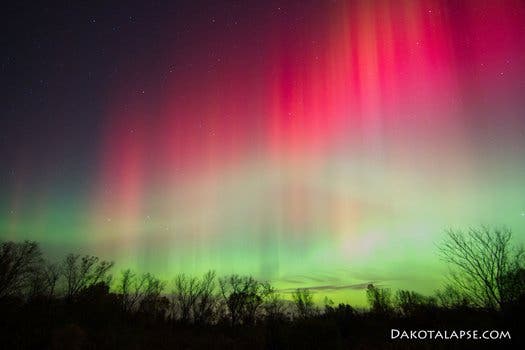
(321, 144)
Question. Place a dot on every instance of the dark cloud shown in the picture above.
(329, 287)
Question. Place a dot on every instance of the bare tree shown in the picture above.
(18, 264)
(257, 294)
(131, 290)
(483, 262)
(141, 293)
(152, 302)
(83, 272)
(51, 274)
(243, 295)
(304, 303)
(185, 294)
(203, 308)
(44, 280)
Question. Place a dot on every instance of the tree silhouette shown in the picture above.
(152, 302)
(82, 272)
(19, 263)
(44, 280)
(256, 297)
(204, 305)
(451, 298)
(243, 295)
(185, 295)
(344, 315)
(131, 289)
(51, 274)
(409, 302)
(379, 299)
(303, 301)
(274, 305)
(484, 265)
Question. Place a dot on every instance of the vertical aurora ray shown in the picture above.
(332, 147)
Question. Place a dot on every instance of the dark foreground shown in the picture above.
(96, 321)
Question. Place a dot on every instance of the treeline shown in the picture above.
(82, 303)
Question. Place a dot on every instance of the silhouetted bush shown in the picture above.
(379, 299)
(303, 301)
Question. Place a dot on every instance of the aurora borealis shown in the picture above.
(322, 144)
